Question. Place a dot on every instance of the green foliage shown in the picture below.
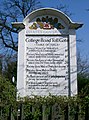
(7, 96)
(59, 104)
(7, 91)
(36, 106)
(83, 85)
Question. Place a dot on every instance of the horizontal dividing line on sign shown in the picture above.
(47, 35)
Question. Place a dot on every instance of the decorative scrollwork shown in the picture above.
(47, 23)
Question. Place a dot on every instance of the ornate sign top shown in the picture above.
(46, 22)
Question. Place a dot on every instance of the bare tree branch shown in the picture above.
(13, 11)
(82, 66)
(16, 11)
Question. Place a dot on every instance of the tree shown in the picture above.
(83, 74)
(16, 11)
(83, 66)
(0, 66)
(13, 11)
(10, 68)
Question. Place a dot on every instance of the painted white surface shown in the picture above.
(73, 62)
(36, 75)
(21, 67)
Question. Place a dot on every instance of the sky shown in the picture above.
(78, 8)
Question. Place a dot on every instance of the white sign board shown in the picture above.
(47, 65)
(47, 54)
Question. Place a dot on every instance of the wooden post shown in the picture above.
(10, 111)
(66, 113)
(40, 118)
(86, 112)
(76, 114)
(44, 117)
(1, 117)
(50, 114)
(21, 111)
